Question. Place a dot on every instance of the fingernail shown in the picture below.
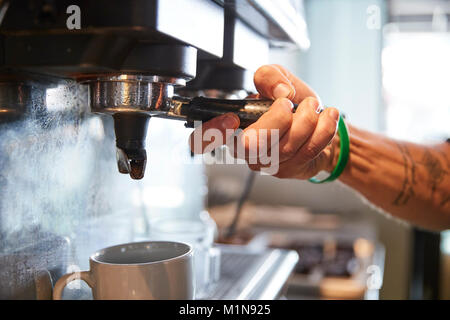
(314, 104)
(229, 122)
(282, 91)
(319, 109)
(288, 104)
(334, 114)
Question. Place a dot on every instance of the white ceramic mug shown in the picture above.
(142, 270)
(198, 233)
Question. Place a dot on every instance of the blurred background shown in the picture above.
(385, 65)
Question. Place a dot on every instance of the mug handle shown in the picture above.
(67, 278)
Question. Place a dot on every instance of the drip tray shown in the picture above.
(252, 274)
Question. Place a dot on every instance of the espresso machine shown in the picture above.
(77, 78)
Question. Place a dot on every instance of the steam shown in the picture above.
(49, 169)
(62, 197)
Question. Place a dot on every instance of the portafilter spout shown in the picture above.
(131, 131)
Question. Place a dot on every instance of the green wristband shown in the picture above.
(343, 154)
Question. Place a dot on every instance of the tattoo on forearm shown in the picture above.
(435, 170)
(409, 166)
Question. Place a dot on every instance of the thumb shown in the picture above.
(213, 133)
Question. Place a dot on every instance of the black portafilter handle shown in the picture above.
(200, 109)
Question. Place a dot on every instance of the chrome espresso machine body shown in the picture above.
(77, 77)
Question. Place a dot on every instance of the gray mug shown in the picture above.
(142, 270)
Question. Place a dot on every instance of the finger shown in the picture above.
(272, 83)
(321, 137)
(267, 131)
(268, 78)
(303, 125)
(308, 170)
(292, 170)
(213, 133)
(254, 96)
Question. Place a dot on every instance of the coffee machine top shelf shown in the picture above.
(36, 29)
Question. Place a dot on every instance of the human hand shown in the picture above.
(304, 138)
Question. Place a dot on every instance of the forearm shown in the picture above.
(409, 181)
